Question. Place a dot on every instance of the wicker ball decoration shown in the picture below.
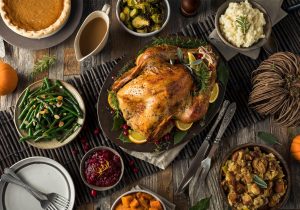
(276, 88)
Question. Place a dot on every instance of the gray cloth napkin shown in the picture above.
(168, 204)
(163, 159)
(276, 14)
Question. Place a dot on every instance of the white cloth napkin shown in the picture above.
(168, 204)
(163, 159)
(276, 14)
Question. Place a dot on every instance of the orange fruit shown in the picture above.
(295, 148)
(8, 79)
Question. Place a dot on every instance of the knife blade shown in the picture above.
(201, 152)
(206, 163)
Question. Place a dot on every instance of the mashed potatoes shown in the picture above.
(232, 30)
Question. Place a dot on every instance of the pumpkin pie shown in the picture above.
(35, 18)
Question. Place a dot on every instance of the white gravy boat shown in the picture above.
(96, 14)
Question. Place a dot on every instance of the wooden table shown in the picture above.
(120, 42)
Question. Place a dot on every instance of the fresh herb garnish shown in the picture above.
(179, 41)
(124, 138)
(203, 75)
(178, 136)
(43, 64)
(268, 138)
(260, 182)
(180, 54)
(203, 204)
(243, 23)
(118, 122)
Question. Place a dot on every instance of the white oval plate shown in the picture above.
(41, 173)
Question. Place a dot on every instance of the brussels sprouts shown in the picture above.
(122, 17)
(155, 27)
(157, 18)
(140, 22)
(134, 12)
(143, 30)
(126, 10)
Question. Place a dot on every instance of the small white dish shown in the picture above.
(103, 14)
(42, 173)
(53, 144)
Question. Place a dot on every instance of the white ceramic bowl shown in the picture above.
(113, 207)
(53, 143)
(167, 17)
(87, 155)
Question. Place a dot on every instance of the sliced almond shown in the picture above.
(59, 98)
(61, 124)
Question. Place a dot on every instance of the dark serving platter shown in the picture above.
(105, 117)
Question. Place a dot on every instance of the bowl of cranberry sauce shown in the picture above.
(101, 168)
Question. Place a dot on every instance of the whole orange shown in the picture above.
(8, 79)
(295, 147)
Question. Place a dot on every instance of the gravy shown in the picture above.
(91, 36)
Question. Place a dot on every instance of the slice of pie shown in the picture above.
(35, 18)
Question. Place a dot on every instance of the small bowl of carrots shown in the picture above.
(138, 199)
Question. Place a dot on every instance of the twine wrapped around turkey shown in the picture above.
(276, 88)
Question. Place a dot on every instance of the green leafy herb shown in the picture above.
(243, 23)
(180, 55)
(260, 182)
(203, 204)
(178, 136)
(124, 139)
(223, 73)
(268, 138)
(126, 67)
(203, 75)
(179, 41)
(43, 65)
(118, 122)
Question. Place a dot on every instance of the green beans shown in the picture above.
(48, 112)
(26, 94)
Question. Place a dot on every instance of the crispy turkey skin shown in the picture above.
(154, 92)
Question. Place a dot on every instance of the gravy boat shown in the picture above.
(96, 14)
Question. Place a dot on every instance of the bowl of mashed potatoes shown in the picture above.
(243, 24)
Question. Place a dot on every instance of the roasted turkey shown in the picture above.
(155, 92)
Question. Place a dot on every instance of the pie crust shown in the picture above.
(35, 19)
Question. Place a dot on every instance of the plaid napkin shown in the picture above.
(276, 14)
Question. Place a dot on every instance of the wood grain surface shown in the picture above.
(121, 42)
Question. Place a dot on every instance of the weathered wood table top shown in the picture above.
(120, 42)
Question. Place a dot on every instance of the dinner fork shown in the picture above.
(52, 197)
(206, 163)
(45, 204)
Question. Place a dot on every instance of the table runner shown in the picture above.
(89, 84)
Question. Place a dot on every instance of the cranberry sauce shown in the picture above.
(103, 168)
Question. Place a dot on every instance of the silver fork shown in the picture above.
(45, 204)
(206, 163)
(52, 197)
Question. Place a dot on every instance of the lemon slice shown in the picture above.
(183, 126)
(136, 137)
(191, 59)
(110, 100)
(214, 93)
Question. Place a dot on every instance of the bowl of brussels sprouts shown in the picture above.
(143, 18)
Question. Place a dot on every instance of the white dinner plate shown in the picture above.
(41, 173)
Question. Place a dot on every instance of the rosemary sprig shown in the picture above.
(243, 23)
(202, 72)
(43, 65)
(268, 138)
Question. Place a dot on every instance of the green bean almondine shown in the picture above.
(48, 112)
